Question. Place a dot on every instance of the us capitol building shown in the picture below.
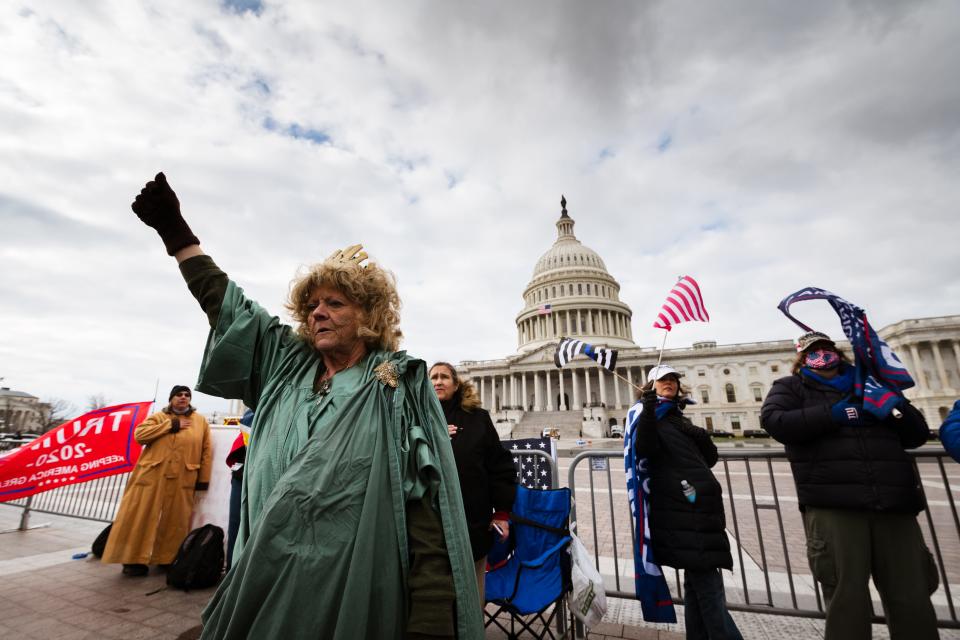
(571, 294)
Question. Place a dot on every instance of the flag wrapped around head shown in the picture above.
(684, 304)
(567, 348)
(651, 586)
(880, 378)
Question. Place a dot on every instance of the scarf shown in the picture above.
(842, 382)
(879, 376)
(652, 590)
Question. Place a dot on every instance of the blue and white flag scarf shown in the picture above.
(652, 590)
(880, 378)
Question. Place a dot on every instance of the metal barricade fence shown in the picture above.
(771, 574)
(99, 499)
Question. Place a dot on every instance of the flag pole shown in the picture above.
(662, 345)
(625, 380)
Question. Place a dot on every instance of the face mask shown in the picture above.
(822, 359)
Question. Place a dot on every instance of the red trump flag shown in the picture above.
(96, 444)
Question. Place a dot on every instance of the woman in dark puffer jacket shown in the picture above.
(685, 534)
(858, 492)
(488, 479)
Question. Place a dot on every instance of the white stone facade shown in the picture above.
(525, 392)
(20, 411)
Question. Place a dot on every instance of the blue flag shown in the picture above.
(533, 471)
(652, 590)
(880, 378)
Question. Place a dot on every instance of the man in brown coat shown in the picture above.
(154, 516)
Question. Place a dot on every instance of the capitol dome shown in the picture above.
(571, 294)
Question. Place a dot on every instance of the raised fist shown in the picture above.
(158, 207)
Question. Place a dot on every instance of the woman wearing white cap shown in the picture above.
(687, 522)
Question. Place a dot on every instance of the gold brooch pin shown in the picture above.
(386, 373)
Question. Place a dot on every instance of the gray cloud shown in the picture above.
(758, 147)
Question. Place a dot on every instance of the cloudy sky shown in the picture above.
(760, 147)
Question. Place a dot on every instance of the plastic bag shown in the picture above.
(587, 600)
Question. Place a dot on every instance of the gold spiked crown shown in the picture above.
(352, 255)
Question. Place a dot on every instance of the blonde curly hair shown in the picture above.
(371, 287)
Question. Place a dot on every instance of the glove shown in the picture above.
(175, 426)
(846, 413)
(157, 206)
(649, 400)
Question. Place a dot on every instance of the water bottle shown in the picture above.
(688, 491)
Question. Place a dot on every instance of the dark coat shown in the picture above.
(488, 479)
(683, 535)
(844, 467)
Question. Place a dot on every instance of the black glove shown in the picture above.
(201, 486)
(157, 206)
(649, 400)
(847, 413)
(175, 425)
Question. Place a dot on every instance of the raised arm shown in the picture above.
(158, 207)
(648, 444)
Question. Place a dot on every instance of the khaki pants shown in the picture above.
(845, 548)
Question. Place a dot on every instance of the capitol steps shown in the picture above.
(534, 422)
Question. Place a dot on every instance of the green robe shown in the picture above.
(327, 484)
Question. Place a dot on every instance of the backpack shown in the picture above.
(101, 542)
(199, 561)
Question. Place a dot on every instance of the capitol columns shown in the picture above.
(586, 386)
(603, 386)
(616, 390)
(549, 391)
(576, 388)
(956, 353)
(941, 370)
(483, 392)
(563, 402)
(523, 385)
(537, 404)
(918, 366)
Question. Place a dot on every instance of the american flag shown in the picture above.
(544, 309)
(684, 304)
(533, 471)
(880, 377)
(567, 348)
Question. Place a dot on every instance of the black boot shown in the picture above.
(135, 570)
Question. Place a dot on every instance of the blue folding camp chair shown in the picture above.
(531, 585)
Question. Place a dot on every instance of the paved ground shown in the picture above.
(44, 593)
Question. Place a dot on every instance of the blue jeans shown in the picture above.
(705, 610)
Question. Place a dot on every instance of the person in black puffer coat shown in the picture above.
(858, 492)
(685, 533)
(488, 479)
